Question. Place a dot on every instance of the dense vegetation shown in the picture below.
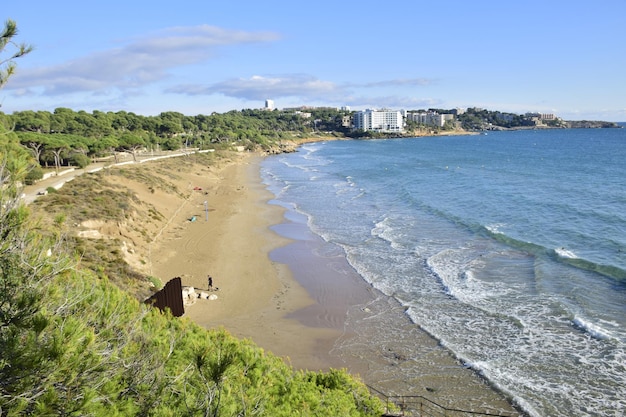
(66, 136)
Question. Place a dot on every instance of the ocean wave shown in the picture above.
(383, 230)
(457, 269)
(299, 165)
(442, 267)
(559, 254)
(610, 271)
(593, 329)
(310, 148)
(564, 253)
(495, 228)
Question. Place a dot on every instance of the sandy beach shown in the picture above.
(293, 294)
(257, 297)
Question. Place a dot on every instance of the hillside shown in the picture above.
(75, 338)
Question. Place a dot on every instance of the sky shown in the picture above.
(566, 57)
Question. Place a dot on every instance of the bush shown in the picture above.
(80, 160)
(33, 175)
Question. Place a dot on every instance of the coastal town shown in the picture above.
(388, 121)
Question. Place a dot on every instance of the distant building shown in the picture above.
(506, 117)
(378, 120)
(304, 115)
(458, 111)
(538, 118)
(269, 105)
(430, 118)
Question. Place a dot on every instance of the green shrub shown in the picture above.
(34, 175)
(156, 282)
(80, 160)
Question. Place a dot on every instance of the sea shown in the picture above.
(508, 248)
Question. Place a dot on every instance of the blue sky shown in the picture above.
(204, 56)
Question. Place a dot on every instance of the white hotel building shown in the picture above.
(430, 118)
(379, 120)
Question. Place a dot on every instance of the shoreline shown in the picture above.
(379, 343)
(295, 295)
(256, 294)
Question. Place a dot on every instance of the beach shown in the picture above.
(257, 297)
(292, 294)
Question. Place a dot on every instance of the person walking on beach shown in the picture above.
(210, 280)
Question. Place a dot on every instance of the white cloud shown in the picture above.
(308, 88)
(400, 82)
(260, 87)
(140, 62)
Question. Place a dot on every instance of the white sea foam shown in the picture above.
(469, 276)
(361, 194)
(495, 228)
(444, 269)
(457, 271)
(310, 148)
(564, 253)
(595, 330)
(384, 230)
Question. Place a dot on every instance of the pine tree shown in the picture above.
(7, 65)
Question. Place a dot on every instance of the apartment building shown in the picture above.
(430, 118)
(378, 120)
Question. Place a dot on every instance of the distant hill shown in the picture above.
(591, 124)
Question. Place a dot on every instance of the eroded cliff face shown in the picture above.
(114, 218)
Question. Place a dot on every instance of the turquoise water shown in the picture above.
(509, 248)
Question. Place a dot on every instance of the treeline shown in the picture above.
(248, 124)
(67, 136)
(72, 343)
(481, 119)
